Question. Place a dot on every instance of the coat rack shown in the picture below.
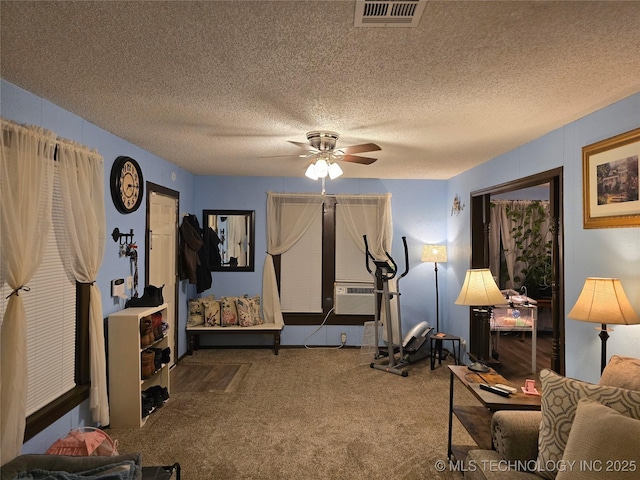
(117, 236)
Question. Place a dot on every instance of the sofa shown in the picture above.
(583, 431)
(66, 467)
(125, 467)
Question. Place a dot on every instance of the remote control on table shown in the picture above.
(506, 387)
(499, 391)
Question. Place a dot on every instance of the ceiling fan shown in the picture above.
(323, 154)
(325, 142)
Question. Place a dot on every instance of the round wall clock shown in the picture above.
(126, 184)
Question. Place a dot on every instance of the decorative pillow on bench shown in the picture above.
(211, 310)
(249, 311)
(199, 315)
(196, 313)
(227, 312)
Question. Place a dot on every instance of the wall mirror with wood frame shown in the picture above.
(232, 234)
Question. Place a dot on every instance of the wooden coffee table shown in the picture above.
(476, 419)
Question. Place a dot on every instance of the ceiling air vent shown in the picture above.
(389, 13)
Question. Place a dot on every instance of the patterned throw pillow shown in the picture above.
(245, 317)
(599, 439)
(229, 312)
(256, 311)
(196, 314)
(211, 312)
(560, 396)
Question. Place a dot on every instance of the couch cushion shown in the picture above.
(560, 396)
(596, 448)
(623, 372)
(515, 434)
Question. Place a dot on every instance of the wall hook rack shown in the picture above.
(117, 236)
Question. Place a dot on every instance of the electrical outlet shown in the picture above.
(129, 282)
(343, 338)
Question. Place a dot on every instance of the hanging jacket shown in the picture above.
(190, 244)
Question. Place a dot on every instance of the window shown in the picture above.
(327, 253)
(57, 322)
(301, 270)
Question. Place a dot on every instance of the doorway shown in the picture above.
(481, 253)
(161, 259)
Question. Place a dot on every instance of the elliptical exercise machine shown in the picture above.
(413, 346)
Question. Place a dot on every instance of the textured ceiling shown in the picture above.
(212, 86)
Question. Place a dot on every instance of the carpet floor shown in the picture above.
(305, 413)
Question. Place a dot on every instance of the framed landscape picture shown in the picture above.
(610, 182)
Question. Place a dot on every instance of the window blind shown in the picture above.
(301, 271)
(51, 323)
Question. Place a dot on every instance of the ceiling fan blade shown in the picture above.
(306, 146)
(291, 155)
(357, 159)
(365, 147)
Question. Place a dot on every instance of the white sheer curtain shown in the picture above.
(26, 189)
(81, 174)
(284, 228)
(376, 223)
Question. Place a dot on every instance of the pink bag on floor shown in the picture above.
(86, 441)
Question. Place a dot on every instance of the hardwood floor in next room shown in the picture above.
(515, 356)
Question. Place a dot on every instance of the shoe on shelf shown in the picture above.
(147, 361)
(152, 297)
(146, 332)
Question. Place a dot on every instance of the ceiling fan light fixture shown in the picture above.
(322, 168)
(311, 172)
(334, 171)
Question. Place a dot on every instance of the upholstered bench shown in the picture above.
(193, 333)
(228, 315)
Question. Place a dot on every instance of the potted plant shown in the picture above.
(533, 247)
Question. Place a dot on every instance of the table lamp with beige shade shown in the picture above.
(480, 291)
(603, 301)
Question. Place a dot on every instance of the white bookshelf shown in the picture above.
(125, 372)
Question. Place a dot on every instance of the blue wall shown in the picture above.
(421, 212)
(23, 107)
(609, 252)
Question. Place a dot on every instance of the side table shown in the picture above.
(476, 419)
(436, 347)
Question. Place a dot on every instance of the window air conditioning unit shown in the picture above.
(353, 298)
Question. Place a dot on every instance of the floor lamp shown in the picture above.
(480, 292)
(435, 254)
(603, 301)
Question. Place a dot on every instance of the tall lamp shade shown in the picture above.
(603, 301)
(436, 254)
(480, 291)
